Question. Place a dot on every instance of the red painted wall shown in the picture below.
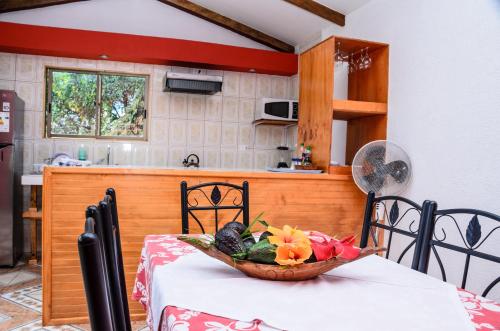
(84, 44)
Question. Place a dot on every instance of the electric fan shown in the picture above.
(381, 166)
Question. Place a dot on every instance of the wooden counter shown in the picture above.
(149, 203)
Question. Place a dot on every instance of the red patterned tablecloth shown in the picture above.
(163, 249)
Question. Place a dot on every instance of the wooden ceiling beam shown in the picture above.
(230, 24)
(319, 10)
(15, 5)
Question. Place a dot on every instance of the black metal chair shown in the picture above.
(385, 213)
(214, 200)
(94, 278)
(105, 218)
(462, 221)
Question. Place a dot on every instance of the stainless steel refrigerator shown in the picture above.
(11, 223)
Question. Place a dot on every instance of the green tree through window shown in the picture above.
(92, 104)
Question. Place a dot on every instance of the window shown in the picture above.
(93, 104)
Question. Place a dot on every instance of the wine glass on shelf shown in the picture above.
(365, 59)
(337, 51)
(341, 57)
(353, 64)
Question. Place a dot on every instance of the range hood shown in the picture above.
(189, 83)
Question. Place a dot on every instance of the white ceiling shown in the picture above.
(279, 18)
(153, 18)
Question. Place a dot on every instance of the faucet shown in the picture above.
(108, 152)
(189, 162)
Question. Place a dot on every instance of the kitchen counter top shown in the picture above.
(199, 172)
(37, 179)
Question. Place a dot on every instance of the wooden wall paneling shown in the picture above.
(149, 203)
(316, 101)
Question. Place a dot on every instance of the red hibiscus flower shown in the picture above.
(326, 247)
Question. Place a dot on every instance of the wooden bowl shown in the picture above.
(276, 272)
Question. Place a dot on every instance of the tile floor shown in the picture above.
(21, 302)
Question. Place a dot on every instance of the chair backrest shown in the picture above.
(397, 216)
(209, 197)
(114, 260)
(108, 234)
(110, 198)
(466, 227)
(94, 278)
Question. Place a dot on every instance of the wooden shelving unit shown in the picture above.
(274, 122)
(351, 109)
(365, 109)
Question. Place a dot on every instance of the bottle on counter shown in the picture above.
(296, 158)
(302, 153)
(82, 153)
(308, 156)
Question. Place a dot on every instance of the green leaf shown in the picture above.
(248, 231)
(195, 241)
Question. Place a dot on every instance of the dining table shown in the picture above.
(179, 291)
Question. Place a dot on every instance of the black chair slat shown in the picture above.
(116, 277)
(214, 202)
(110, 198)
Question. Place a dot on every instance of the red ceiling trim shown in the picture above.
(85, 44)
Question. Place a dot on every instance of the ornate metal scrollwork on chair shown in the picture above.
(395, 215)
(217, 197)
(468, 229)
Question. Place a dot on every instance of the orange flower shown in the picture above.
(293, 245)
(287, 236)
(292, 255)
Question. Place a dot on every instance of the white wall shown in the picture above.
(444, 102)
(141, 17)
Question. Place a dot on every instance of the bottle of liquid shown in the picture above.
(308, 156)
(82, 153)
(296, 158)
(302, 154)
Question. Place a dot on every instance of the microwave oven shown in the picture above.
(277, 109)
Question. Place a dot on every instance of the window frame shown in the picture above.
(99, 74)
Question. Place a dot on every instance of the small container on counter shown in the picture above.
(82, 153)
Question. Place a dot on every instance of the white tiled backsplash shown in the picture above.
(218, 128)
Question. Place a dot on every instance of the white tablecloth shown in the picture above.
(369, 294)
